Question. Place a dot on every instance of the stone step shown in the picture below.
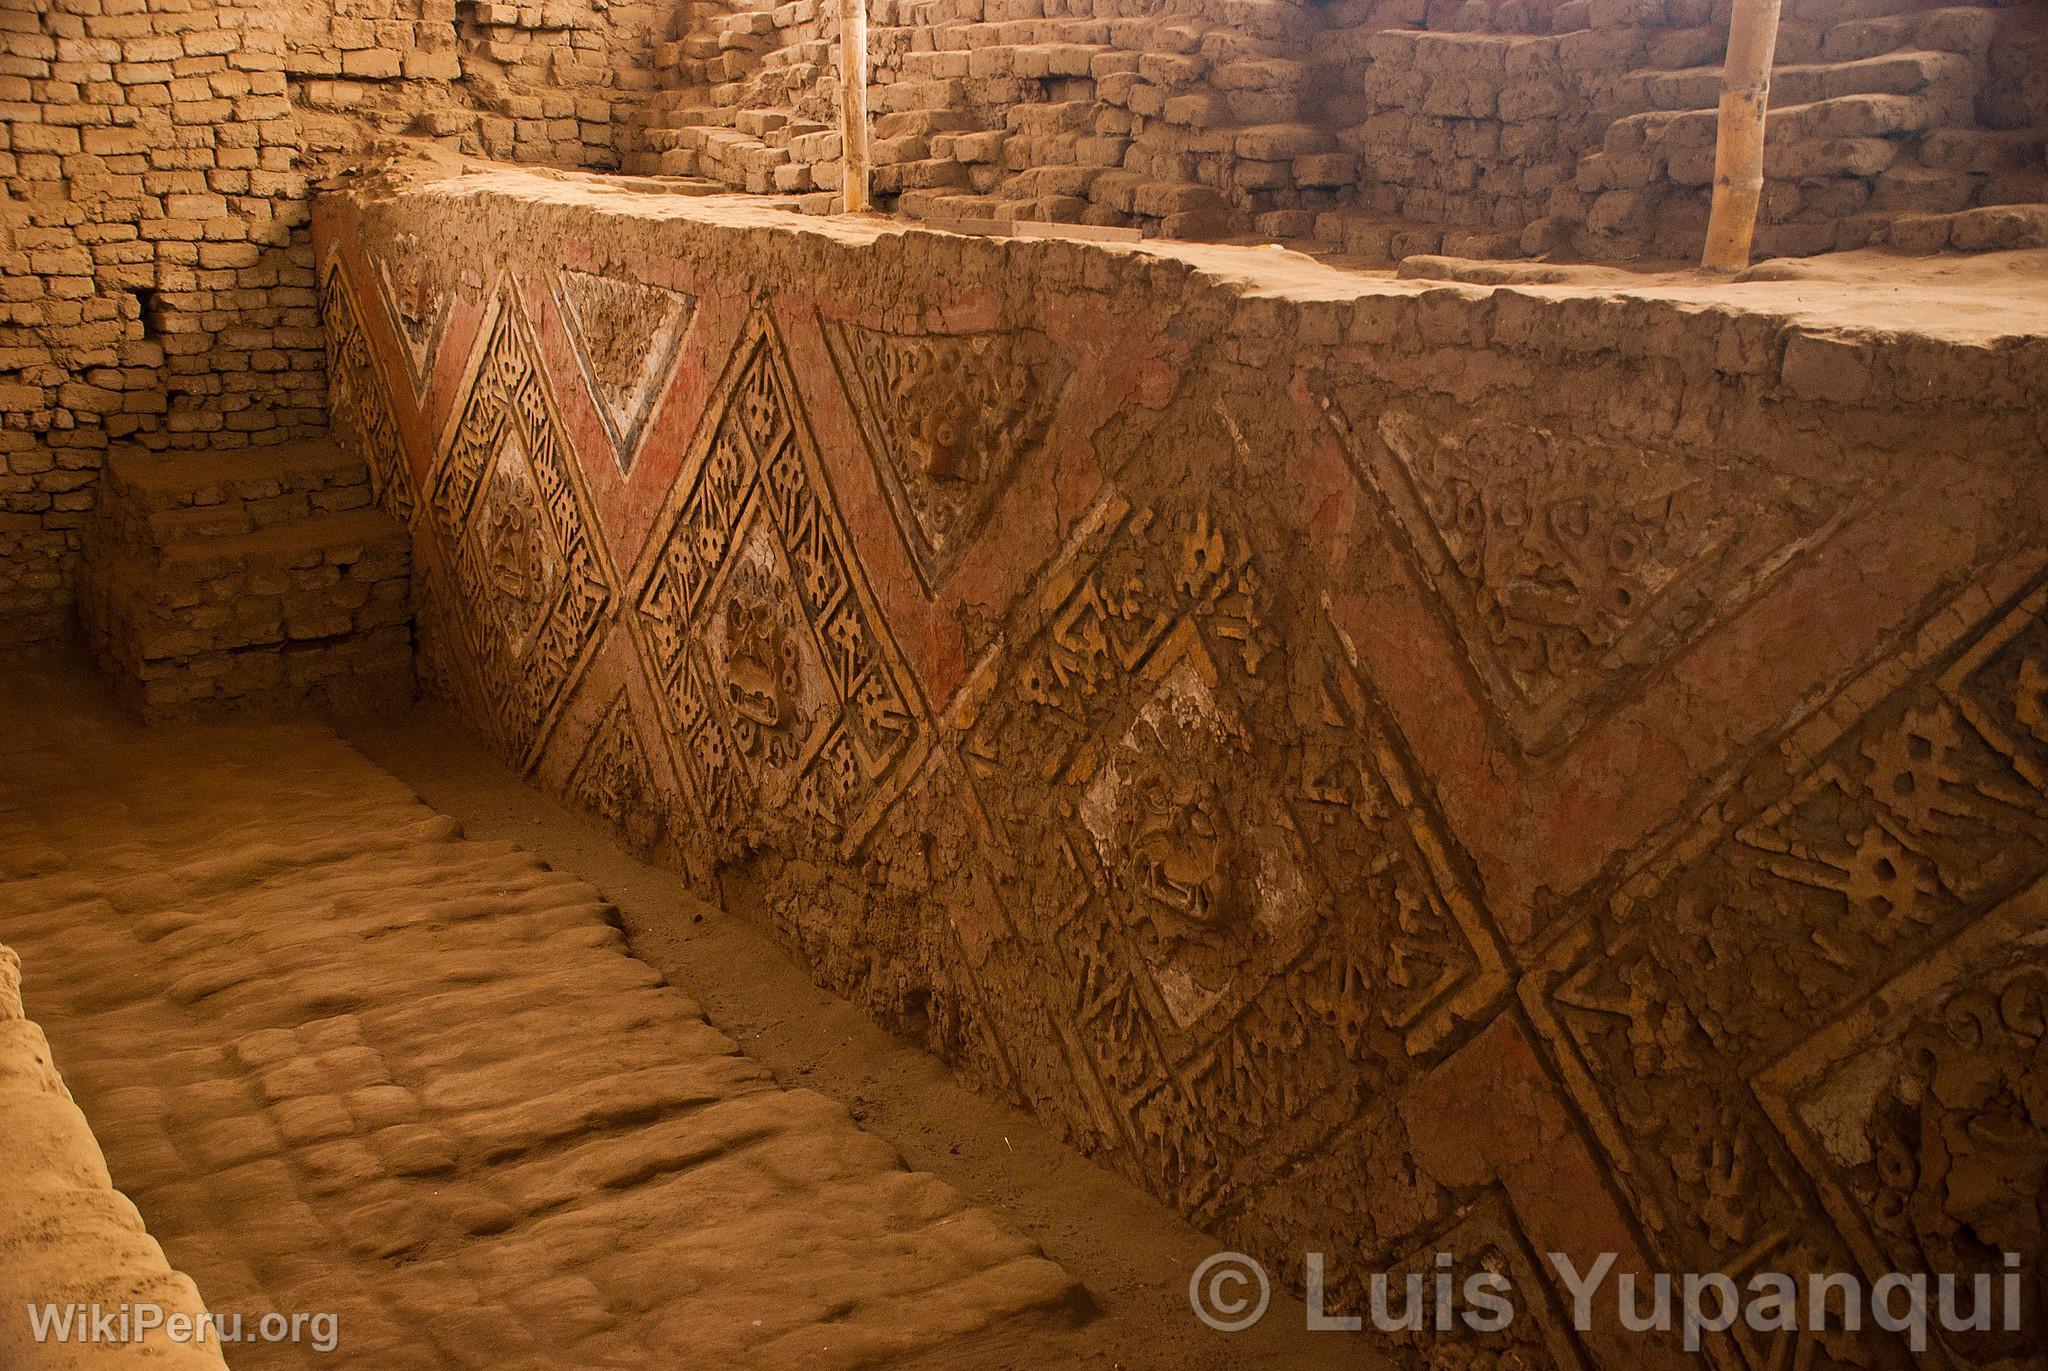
(910, 147)
(1071, 116)
(1985, 151)
(668, 162)
(1377, 238)
(323, 539)
(917, 95)
(978, 147)
(760, 122)
(905, 122)
(1992, 228)
(1682, 139)
(312, 612)
(926, 174)
(954, 204)
(1038, 182)
(1839, 11)
(171, 480)
(194, 558)
(744, 25)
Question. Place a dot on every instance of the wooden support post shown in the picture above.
(853, 104)
(1739, 146)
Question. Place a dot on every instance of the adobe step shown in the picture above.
(149, 498)
(1966, 29)
(1989, 228)
(173, 480)
(1640, 149)
(203, 572)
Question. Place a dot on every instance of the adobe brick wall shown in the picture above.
(1392, 767)
(156, 288)
(1381, 127)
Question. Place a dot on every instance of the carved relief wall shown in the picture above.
(1443, 770)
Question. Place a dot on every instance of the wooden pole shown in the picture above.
(853, 104)
(1739, 145)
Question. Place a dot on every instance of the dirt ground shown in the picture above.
(1129, 1252)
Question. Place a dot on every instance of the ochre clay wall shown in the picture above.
(1394, 768)
(156, 156)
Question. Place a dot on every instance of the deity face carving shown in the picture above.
(960, 427)
(1183, 859)
(937, 439)
(762, 679)
(509, 542)
(1183, 847)
(516, 565)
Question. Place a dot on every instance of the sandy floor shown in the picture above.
(1131, 1254)
(346, 1060)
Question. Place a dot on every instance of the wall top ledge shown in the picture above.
(1995, 300)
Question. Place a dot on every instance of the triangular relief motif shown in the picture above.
(626, 335)
(417, 303)
(1572, 568)
(357, 396)
(947, 418)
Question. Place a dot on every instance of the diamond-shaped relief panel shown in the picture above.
(613, 778)
(526, 568)
(1910, 854)
(1923, 1117)
(785, 704)
(1239, 874)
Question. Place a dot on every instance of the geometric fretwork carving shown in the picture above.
(1251, 918)
(528, 575)
(947, 419)
(1570, 568)
(786, 705)
(357, 398)
(1719, 1030)
(1923, 1118)
(1485, 1239)
(626, 335)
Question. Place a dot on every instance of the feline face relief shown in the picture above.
(758, 668)
(1184, 847)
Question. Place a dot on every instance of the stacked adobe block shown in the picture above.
(156, 158)
(1382, 128)
(261, 578)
